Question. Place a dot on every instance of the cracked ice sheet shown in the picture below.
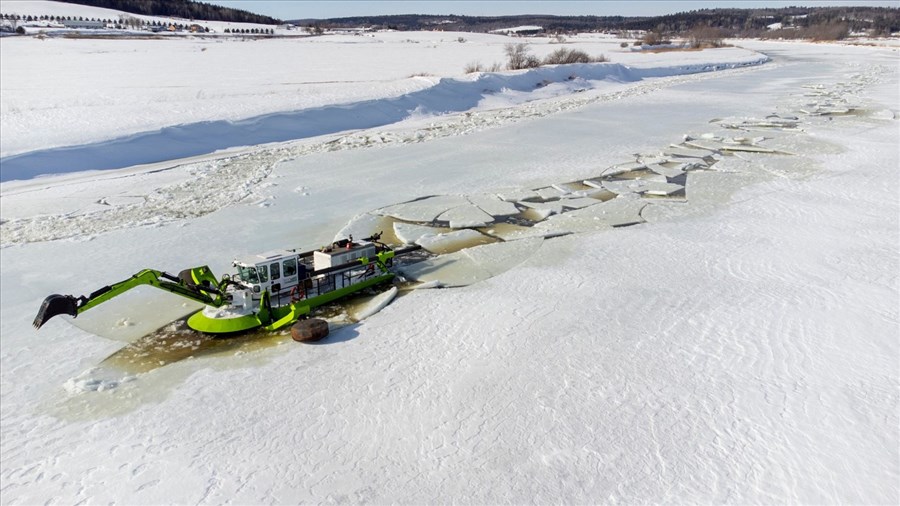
(468, 215)
(472, 265)
(452, 241)
(516, 195)
(362, 225)
(424, 210)
(545, 208)
(667, 171)
(615, 212)
(642, 185)
(511, 232)
(493, 205)
(550, 192)
(409, 233)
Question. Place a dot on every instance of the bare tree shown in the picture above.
(519, 58)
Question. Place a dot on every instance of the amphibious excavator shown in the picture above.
(270, 291)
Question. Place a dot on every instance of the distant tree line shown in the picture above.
(878, 21)
(186, 9)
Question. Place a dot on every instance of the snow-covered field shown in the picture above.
(737, 344)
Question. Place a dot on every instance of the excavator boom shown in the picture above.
(198, 284)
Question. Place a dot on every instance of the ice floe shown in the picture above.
(452, 241)
(409, 233)
(423, 210)
(374, 305)
(494, 205)
(468, 215)
(472, 265)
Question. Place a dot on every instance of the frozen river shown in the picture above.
(739, 345)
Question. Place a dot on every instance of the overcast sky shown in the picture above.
(299, 9)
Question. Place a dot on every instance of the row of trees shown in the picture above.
(125, 21)
(186, 9)
(16, 17)
(731, 22)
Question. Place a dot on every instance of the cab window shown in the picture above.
(275, 270)
(263, 273)
(248, 274)
(290, 267)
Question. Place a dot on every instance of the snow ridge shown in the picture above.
(449, 95)
(239, 176)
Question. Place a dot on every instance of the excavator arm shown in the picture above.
(198, 284)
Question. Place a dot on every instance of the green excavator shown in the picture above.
(270, 291)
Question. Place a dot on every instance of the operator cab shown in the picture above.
(276, 271)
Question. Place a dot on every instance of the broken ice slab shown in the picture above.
(562, 188)
(408, 233)
(472, 265)
(536, 215)
(668, 171)
(516, 195)
(595, 183)
(543, 208)
(640, 186)
(453, 241)
(747, 149)
(612, 171)
(698, 147)
(614, 213)
(550, 193)
(591, 192)
(468, 215)
(359, 226)
(367, 224)
(423, 210)
(373, 305)
(569, 223)
(642, 174)
(512, 232)
(752, 124)
(827, 111)
(677, 152)
(744, 141)
(733, 146)
(578, 202)
(667, 190)
(570, 187)
(705, 144)
(647, 160)
(629, 166)
(493, 205)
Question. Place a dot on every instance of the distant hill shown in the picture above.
(733, 22)
(186, 9)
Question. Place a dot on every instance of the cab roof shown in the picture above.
(268, 256)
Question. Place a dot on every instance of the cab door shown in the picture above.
(289, 277)
(275, 276)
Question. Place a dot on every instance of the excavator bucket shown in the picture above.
(56, 305)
